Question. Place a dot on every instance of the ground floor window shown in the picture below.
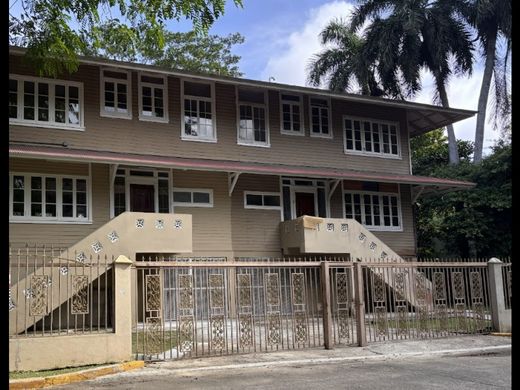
(192, 197)
(261, 200)
(373, 209)
(37, 197)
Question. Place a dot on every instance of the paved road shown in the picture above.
(487, 371)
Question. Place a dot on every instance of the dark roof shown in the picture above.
(98, 156)
(421, 117)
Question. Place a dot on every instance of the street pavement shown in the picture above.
(469, 362)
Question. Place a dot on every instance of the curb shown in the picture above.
(500, 334)
(77, 376)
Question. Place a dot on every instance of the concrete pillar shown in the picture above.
(359, 302)
(500, 317)
(123, 302)
(326, 303)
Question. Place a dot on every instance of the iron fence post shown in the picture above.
(359, 304)
(326, 303)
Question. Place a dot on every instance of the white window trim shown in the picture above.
(212, 100)
(192, 190)
(377, 228)
(265, 106)
(59, 199)
(329, 103)
(300, 133)
(246, 206)
(397, 156)
(108, 114)
(49, 125)
(142, 84)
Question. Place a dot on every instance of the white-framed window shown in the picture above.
(192, 197)
(371, 137)
(320, 118)
(375, 210)
(42, 102)
(198, 108)
(262, 200)
(116, 93)
(291, 114)
(40, 197)
(253, 126)
(153, 97)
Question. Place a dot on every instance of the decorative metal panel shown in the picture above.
(381, 320)
(186, 333)
(420, 287)
(298, 287)
(399, 286)
(342, 288)
(509, 283)
(442, 316)
(422, 315)
(38, 305)
(476, 286)
(185, 283)
(478, 309)
(272, 289)
(218, 341)
(379, 288)
(439, 286)
(274, 325)
(460, 311)
(153, 292)
(244, 291)
(216, 291)
(245, 322)
(402, 320)
(153, 336)
(300, 327)
(343, 326)
(80, 295)
(458, 285)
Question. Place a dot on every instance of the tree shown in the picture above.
(46, 28)
(409, 35)
(475, 222)
(492, 22)
(345, 64)
(188, 51)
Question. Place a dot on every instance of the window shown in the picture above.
(261, 200)
(198, 109)
(48, 198)
(192, 197)
(320, 117)
(371, 137)
(45, 102)
(375, 210)
(252, 123)
(116, 94)
(291, 114)
(153, 98)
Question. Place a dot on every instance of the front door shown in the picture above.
(142, 198)
(304, 204)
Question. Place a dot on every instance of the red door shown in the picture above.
(142, 198)
(304, 204)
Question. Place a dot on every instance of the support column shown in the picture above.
(359, 302)
(326, 304)
(123, 303)
(500, 317)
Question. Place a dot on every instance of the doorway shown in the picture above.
(142, 198)
(305, 204)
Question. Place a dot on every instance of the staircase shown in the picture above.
(127, 234)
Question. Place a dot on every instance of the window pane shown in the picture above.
(119, 195)
(197, 89)
(253, 200)
(201, 197)
(251, 96)
(182, 197)
(164, 203)
(322, 205)
(286, 203)
(271, 200)
(81, 211)
(13, 98)
(67, 184)
(67, 210)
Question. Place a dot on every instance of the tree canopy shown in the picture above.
(55, 32)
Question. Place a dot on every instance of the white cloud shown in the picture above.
(290, 55)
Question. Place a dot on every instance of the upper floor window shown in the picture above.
(375, 210)
(199, 111)
(116, 94)
(153, 98)
(371, 137)
(45, 102)
(320, 117)
(36, 197)
(252, 112)
(291, 114)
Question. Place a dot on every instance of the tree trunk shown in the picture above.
(483, 98)
(452, 141)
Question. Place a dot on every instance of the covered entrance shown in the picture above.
(305, 203)
(142, 198)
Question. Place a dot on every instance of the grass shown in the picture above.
(169, 341)
(46, 373)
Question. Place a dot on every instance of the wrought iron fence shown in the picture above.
(507, 283)
(214, 308)
(53, 293)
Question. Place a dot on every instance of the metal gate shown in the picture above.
(202, 307)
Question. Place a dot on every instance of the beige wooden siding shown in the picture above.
(211, 225)
(401, 242)
(153, 138)
(255, 232)
(64, 234)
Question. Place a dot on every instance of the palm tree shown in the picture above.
(492, 22)
(345, 65)
(410, 35)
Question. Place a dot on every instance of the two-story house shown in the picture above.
(244, 158)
